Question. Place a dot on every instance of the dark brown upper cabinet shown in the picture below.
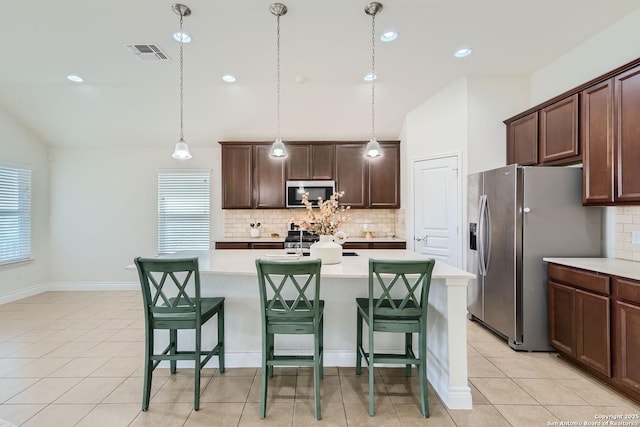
(611, 140)
(627, 136)
(352, 175)
(559, 131)
(384, 182)
(311, 161)
(250, 178)
(603, 116)
(522, 140)
(237, 176)
(269, 179)
(596, 121)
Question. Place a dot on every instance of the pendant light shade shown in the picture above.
(373, 149)
(278, 149)
(181, 150)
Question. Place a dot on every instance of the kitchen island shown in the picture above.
(232, 274)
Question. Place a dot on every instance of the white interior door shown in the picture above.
(436, 202)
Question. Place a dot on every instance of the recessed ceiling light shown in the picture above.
(228, 78)
(388, 36)
(370, 77)
(74, 78)
(178, 36)
(461, 53)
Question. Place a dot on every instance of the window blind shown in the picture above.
(15, 214)
(183, 210)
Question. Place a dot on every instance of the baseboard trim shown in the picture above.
(94, 286)
(452, 396)
(65, 286)
(23, 293)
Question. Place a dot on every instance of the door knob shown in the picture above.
(420, 239)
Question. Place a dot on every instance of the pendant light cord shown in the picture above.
(278, 77)
(373, 75)
(181, 80)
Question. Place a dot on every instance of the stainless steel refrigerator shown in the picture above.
(518, 215)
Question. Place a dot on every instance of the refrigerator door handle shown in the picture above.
(481, 235)
(487, 232)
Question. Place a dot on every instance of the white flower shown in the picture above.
(329, 218)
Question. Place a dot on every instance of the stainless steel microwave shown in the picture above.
(296, 189)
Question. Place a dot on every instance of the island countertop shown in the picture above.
(235, 262)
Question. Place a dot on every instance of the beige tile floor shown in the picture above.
(75, 358)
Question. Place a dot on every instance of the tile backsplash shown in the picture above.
(383, 222)
(627, 220)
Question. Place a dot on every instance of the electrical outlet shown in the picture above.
(635, 237)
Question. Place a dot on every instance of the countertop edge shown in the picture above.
(612, 266)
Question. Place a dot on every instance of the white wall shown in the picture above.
(491, 100)
(437, 126)
(18, 145)
(615, 46)
(465, 117)
(104, 208)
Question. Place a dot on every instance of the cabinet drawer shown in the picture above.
(232, 245)
(267, 245)
(628, 290)
(355, 245)
(389, 245)
(580, 278)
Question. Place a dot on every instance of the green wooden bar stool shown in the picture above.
(398, 300)
(171, 295)
(290, 304)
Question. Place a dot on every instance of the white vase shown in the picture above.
(327, 250)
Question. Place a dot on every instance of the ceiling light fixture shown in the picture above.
(373, 147)
(229, 78)
(278, 149)
(181, 36)
(182, 149)
(74, 78)
(389, 36)
(461, 53)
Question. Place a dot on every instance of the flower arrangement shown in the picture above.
(329, 217)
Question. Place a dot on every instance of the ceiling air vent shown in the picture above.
(147, 52)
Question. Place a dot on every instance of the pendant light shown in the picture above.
(278, 149)
(182, 149)
(373, 147)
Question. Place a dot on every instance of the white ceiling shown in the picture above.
(125, 101)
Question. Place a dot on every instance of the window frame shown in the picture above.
(21, 198)
(176, 184)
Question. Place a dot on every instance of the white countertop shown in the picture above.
(242, 262)
(615, 267)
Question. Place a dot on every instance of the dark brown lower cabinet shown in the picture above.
(594, 322)
(627, 315)
(628, 319)
(593, 331)
(249, 245)
(561, 311)
(277, 245)
(374, 245)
